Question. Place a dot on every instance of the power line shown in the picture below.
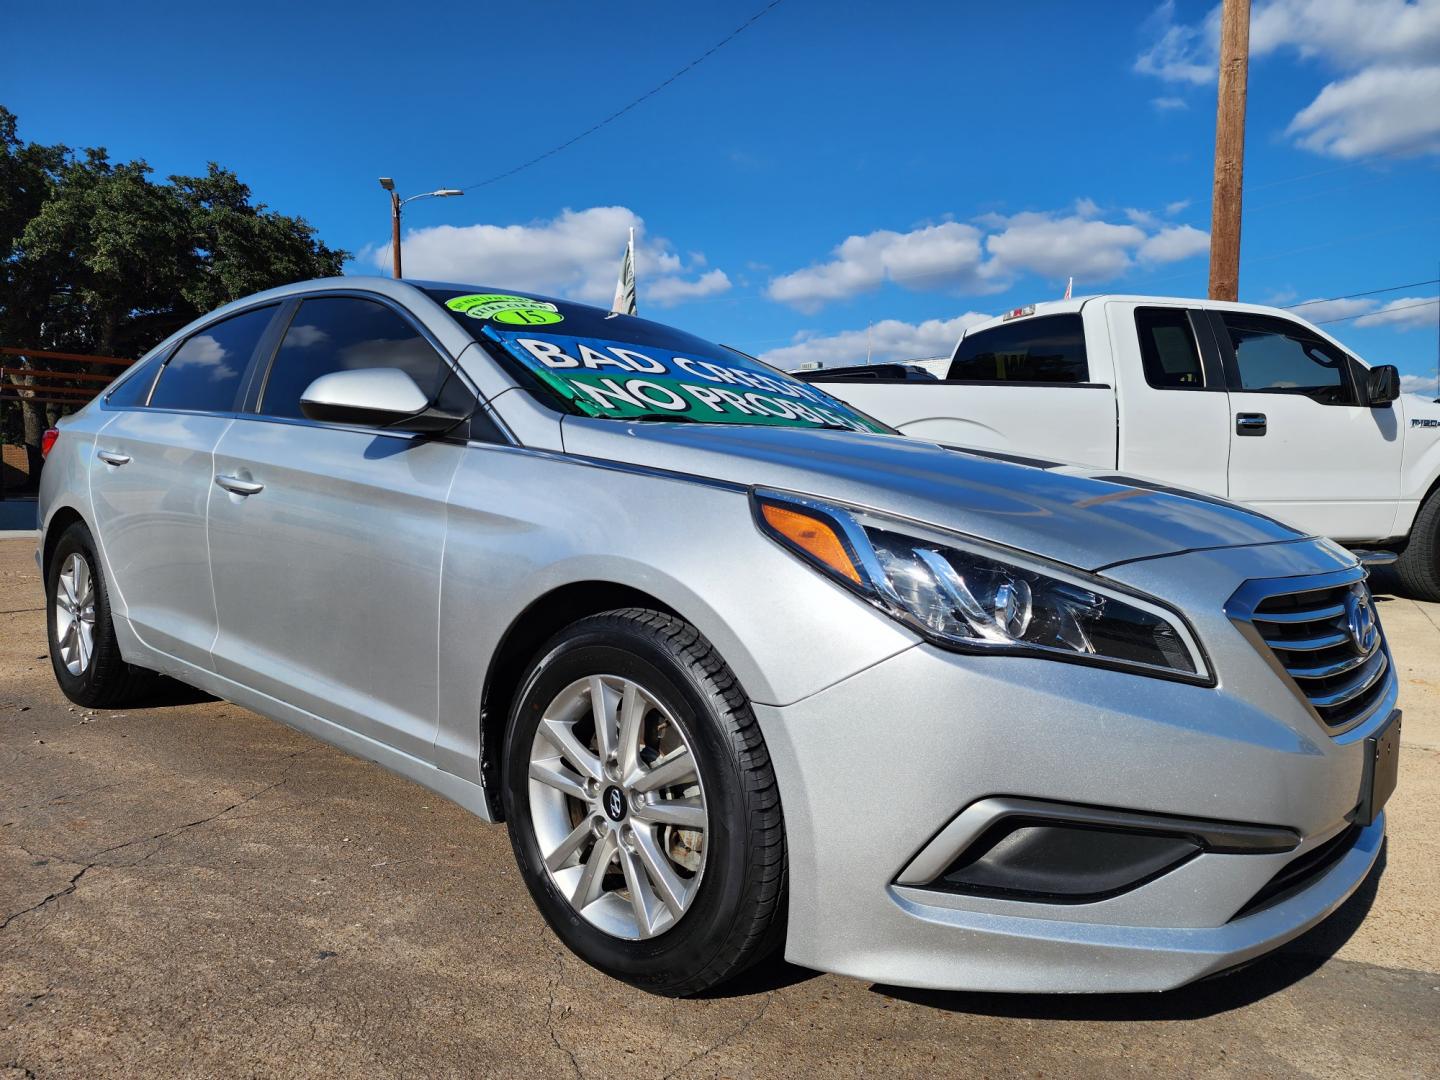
(648, 94)
(1381, 311)
(1371, 292)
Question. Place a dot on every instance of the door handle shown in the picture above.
(1250, 423)
(110, 457)
(236, 486)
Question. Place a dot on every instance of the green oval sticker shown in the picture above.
(512, 310)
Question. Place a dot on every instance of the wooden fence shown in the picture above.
(41, 378)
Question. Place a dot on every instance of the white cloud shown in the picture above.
(1171, 209)
(1419, 384)
(1348, 33)
(1061, 246)
(1174, 243)
(1390, 50)
(987, 256)
(887, 340)
(575, 254)
(1317, 311)
(945, 256)
(668, 291)
(1180, 53)
(1392, 111)
(1407, 313)
(1169, 104)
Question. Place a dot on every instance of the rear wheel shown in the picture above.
(643, 809)
(1418, 566)
(83, 650)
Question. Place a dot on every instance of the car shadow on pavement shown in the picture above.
(1218, 994)
(167, 693)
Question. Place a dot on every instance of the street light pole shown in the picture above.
(395, 205)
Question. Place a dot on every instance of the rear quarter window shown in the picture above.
(134, 387)
(1049, 349)
(1167, 349)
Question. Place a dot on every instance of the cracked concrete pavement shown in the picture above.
(190, 890)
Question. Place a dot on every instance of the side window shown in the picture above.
(204, 372)
(1050, 349)
(344, 333)
(1273, 354)
(1167, 349)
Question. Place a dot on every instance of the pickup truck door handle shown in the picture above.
(237, 486)
(1250, 423)
(110, 457)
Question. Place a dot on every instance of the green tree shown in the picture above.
(97, 257)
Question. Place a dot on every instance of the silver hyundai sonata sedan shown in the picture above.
(737, 665)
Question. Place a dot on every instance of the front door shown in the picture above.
(1303, 448)
(150, 483)
(326, 539)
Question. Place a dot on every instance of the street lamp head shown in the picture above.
(443, 192)
(387, 183)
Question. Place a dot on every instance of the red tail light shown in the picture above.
(48, 440)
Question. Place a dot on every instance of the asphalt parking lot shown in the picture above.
(188, 889)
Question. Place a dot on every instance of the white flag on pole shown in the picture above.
(624, 303)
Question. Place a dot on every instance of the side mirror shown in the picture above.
(1382, 385)
(374, 397)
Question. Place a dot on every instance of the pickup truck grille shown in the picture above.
(1324, 635)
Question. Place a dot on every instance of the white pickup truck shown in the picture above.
(1246, 402)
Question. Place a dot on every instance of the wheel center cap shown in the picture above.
(615, 805)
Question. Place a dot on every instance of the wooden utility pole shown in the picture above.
(395, 228)
(1229, 151)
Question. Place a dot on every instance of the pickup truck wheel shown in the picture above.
(1419, 564)
(643, 807)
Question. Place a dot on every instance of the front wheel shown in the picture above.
(1419, 564)
(643, 808)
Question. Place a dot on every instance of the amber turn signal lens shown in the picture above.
(812, 536)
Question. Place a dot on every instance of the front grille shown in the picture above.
(1315, 631)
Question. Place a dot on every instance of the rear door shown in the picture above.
(1028, 387)
(1174, 411)
(1302, 446)
(150, 482)
(327, 574)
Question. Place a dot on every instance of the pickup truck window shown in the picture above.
(1167, 349)
(1273, 354)
(1050, 349)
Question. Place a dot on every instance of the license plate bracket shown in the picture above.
(1382, 770)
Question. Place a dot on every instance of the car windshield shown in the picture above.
(589, 362)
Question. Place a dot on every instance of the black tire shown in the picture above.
(106, 681)
(1418, 567)
(737, 916)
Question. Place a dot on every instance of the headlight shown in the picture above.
(974, 597)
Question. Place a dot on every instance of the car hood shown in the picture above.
(1086, 518)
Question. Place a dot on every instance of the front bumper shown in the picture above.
(873, 768)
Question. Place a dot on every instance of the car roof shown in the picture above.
(1076, 303)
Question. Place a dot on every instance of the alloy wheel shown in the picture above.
(617, 806)
(75, 613)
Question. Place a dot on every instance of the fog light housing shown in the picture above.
(1063, 863)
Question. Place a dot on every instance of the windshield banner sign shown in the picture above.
(617, 380)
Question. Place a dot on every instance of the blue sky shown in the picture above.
(839, 165)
